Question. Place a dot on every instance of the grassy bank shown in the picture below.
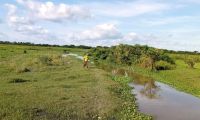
(182, 77)
(38, 83)
(129, 107)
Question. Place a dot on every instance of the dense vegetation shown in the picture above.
(143, 56)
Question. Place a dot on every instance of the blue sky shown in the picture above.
(170, 24)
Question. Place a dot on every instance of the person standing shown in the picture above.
(85, 61)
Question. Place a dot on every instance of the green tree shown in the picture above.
(154, 56)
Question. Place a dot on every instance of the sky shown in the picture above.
(168, 24)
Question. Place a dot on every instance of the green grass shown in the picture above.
(182, 77)
(52, 87)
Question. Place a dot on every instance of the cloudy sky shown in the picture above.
(170, 24)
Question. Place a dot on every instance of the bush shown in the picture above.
(51, 60)
(163, 65)
(23, 69)
(65, 52)
(145, 62)
(46, 60)
(166, 58)
(190, 62)
(25, 51)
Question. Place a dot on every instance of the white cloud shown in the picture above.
(130, 37)
(128, 9)
(55, 12)
(13, 18)
(32, 30)
(135, 38)
(23, 24)
(25, 28)
(107, 35)
(12, 9)
(17, 20)
(99, 32)
(170, 20)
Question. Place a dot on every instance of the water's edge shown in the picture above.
(167, 103)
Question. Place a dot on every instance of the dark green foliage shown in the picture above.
(25, 51)
(65, 52)
(166, 58)
(128, 55)
(44, 45)
(163, 65)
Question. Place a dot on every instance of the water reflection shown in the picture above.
(148, 86)
(171, 105)
(150, 90)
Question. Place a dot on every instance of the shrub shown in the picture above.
(46, 60)
(51, 60)
(163, 65)
(65, 52)
(166, 58)
(190, 62)
(145, 62)
(23, 69)
(25, 51)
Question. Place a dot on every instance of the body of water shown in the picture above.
(166, 103)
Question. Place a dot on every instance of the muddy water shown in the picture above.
(162, 101)
(165, 103)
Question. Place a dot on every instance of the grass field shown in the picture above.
(182, 77)
(40, 84)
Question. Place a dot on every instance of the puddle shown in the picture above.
(164, 102)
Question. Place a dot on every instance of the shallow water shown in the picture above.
(165, 103)
(72, 54)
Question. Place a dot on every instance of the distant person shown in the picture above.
(85, 61)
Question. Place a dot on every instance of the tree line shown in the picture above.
(45, 45)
